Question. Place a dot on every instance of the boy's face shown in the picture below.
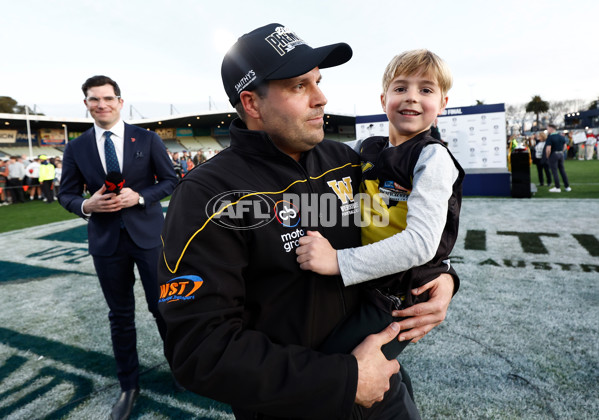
(412, 103)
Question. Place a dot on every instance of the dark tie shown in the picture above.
(112, 163)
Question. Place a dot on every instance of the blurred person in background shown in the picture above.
(32, 171)
(540, 158)
(46, 178)
(556, 146)
(16, 174)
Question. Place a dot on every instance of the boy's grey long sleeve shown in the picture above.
(434, 176)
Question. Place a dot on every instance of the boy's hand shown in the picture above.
(423, 317)
(316, 253)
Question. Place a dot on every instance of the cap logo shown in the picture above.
(283, 40)
(249, 77)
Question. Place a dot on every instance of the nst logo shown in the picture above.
(240, 210)
(180, 288)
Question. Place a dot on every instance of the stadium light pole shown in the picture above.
(28, 131)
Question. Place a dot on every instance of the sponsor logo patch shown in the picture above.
(180, 288)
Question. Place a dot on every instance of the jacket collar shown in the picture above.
(252, 141)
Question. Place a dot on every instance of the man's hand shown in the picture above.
(102, 203)
(425, 316)
(316, 253)
(129, 198)
(374, 370)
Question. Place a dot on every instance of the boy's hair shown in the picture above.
(96, 81)
(416, 62)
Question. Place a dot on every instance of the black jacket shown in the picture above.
(243, 319)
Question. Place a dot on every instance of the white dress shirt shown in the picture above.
(117, 137)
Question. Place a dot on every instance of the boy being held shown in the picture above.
(417, 185)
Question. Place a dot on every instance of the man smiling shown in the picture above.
(124, 226)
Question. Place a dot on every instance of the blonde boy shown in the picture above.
(418, 185)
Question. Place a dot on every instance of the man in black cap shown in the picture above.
(244, 321)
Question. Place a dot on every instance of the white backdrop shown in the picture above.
(474, 134)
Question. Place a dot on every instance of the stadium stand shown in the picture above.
(173, 146)
(24, 151)
(210, 132)
(197, 143)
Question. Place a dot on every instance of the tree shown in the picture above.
(7, 105)
(594, 104)
(479, 102)
(537, 106)
(10, 106)
(516, 118)
(557, 110)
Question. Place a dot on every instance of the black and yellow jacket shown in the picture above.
(243, 319)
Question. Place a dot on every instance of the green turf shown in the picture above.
(33, 213)
(583, 176)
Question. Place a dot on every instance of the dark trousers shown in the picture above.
(47, 190)
(117, 278)
(543, 167)
(556, 162)
(397, 404)
(372, 316)
(15, 186)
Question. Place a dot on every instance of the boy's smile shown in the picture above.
(411, 103)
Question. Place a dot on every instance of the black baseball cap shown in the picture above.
(274, 52)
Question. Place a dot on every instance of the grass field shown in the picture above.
(520, 341)
(583, 176)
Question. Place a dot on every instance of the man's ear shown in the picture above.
(249, 101)
(383, 102)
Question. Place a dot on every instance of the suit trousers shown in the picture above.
(117, 278)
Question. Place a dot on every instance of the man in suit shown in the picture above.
(123, 225)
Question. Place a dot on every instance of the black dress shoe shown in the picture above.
(121, 410)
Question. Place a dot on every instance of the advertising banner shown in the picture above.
(185, 132)
(371, 125)
(167, 133)
(476, 135)
(8, 136)
(52, 137)
(22, 137)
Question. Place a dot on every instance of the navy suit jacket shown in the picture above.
(147, 169)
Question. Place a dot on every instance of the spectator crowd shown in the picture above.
(26, 179)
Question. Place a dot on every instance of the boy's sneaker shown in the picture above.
(555, 190)
(568, 189)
